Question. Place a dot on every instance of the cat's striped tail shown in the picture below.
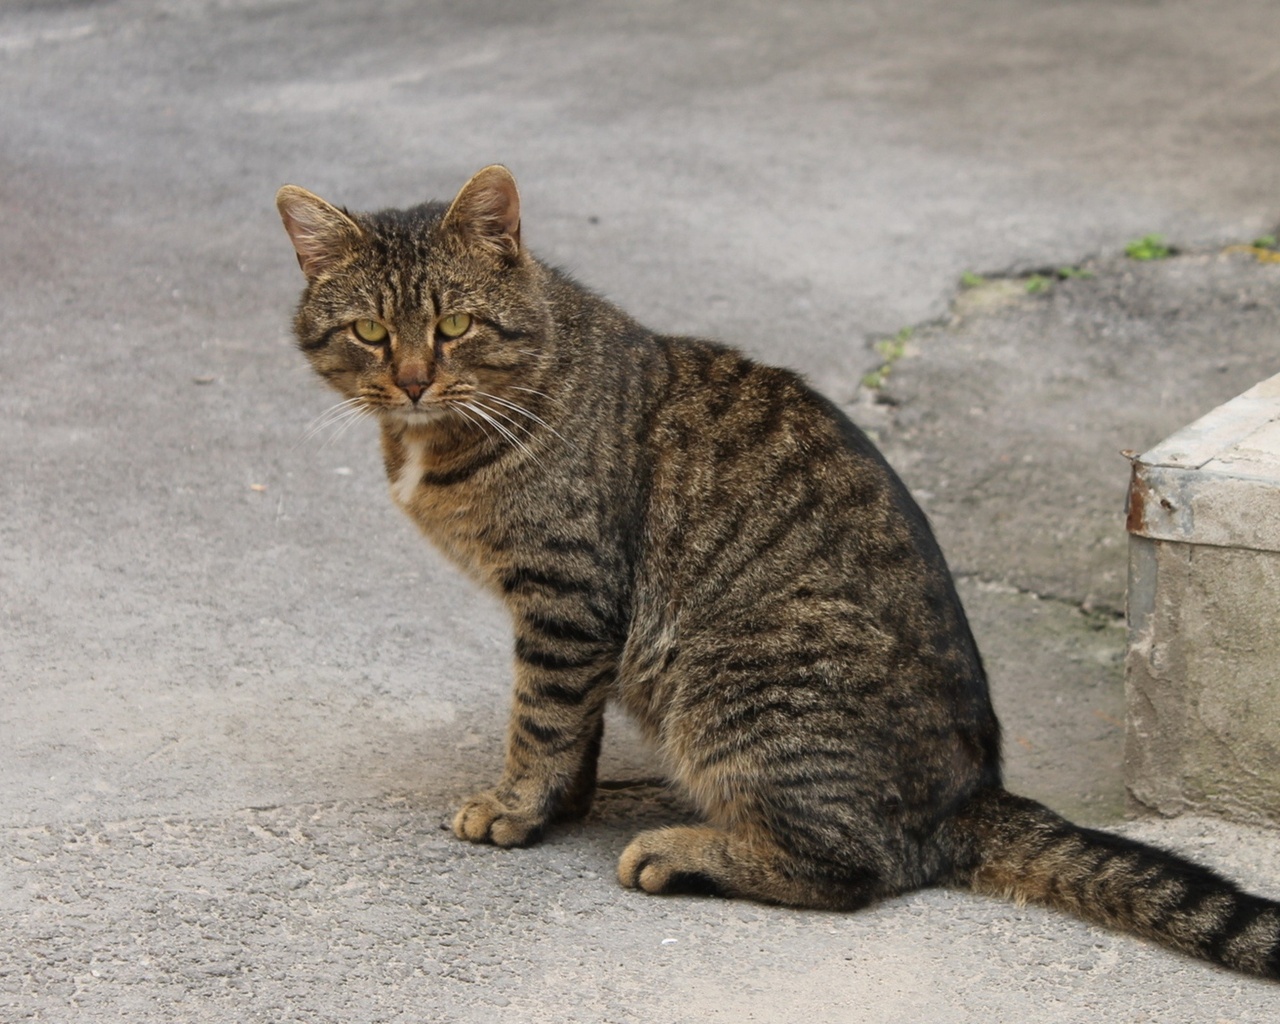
(1010, 846)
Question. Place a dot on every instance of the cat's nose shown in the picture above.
(413, 379)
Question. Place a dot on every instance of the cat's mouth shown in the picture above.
(419, 415)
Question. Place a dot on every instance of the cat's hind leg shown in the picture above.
(741, 861)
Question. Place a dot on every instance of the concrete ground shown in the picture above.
(240, 697)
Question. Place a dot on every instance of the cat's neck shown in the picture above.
(440, 441)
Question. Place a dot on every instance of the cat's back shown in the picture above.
(770, 513)
(748, 460)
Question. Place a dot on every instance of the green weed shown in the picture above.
(890, 350)
(1148, 247)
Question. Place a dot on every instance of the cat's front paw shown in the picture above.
(486, 819)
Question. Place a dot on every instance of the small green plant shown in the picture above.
(1037, 283)
(890, 350)
(1265, 242)
(971, 280)
(1148, 247)
(1067, 273)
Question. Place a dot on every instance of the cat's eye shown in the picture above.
(455, 325)
(370, 332)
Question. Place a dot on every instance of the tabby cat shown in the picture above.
(711, 545)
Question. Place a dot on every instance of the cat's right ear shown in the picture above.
(321, 234)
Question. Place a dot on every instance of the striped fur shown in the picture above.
(711, 545)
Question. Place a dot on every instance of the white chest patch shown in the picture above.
(405, 484)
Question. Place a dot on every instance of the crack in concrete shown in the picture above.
(1100, 614)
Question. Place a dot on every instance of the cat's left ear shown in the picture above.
(321, 234)
(487, 211)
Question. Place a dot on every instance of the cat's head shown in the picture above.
(423, 315)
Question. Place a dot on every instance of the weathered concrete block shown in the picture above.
(1202, 675)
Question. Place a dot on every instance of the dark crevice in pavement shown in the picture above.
(1100, 615)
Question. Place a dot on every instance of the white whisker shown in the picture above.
(346, 423)
(493, 398)
(332, 412)
(338, 416)
(461, 409)
(523, 411)
(489, 416)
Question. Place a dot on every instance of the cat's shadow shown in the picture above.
(629, 805)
